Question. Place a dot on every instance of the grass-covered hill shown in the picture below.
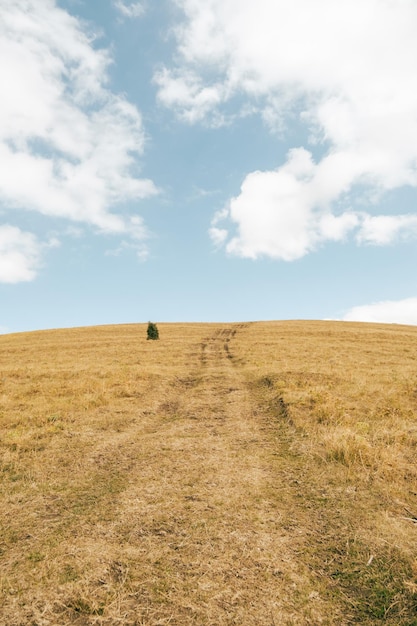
(227, 474)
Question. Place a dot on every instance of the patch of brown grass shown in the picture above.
(226, 474)
(350, 396)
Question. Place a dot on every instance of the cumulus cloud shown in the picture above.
(20, 255)
(386, 229)
(284, 213)
(130, 10)
(69, 147)
(346, 72)
(388, 311)
(289, 212)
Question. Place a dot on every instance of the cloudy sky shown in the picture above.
(216, 160)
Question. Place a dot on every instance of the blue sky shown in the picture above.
(223, 160)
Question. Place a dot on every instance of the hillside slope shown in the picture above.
(260, 473)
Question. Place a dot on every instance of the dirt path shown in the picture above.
(184, 517)
(203, 529)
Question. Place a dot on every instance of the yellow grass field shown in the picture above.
(228, 474)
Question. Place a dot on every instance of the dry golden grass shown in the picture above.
(242, 474)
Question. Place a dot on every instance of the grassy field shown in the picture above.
(247, 474)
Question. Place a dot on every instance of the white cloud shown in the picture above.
(187, 90)
(20, 255)
(344, 70)
(218, 235)
(130, 10)
(385, 229)
(288, 212)
(389, 311)
(68, 146)
(284, 213)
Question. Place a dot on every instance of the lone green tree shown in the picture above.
(153, 332)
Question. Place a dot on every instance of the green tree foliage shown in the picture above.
(153, 332)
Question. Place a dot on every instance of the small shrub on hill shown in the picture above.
(152, 332)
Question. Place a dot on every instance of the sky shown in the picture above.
(213, 161)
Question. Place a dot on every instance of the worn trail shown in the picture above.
(208, 535)
(183, 515)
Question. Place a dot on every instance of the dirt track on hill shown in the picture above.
(226, 475)
(205, 526)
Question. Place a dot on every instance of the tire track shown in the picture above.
(197, 535)
(218, 526)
